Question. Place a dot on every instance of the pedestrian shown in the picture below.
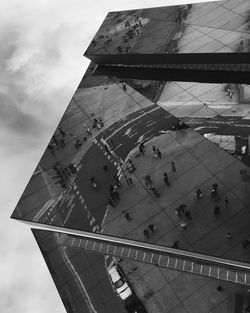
(146, 233)
(152, 228)
(214, 188)
(198, 194)
(229, 236)
(158, 153)
(175, 244)
(188, 214)
(142, 148)
(128, 180)
(89, 132)
(105, 168)
(219, 288)
(173, 167)
(217, 210)
(113, 196)
(54, 141)
(148, 181)
(124, 87)
(111, 202)
(183, 225)
(128, 217)
(101, 122)
(226, 200)
(155, 192)
(131, 167)
(166, 179)
(182, 208)
(177, 211)
(95, 123)
(155, 152)
(111, 144)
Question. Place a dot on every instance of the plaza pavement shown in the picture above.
(199, 164)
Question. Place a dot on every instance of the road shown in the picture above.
(83, 208)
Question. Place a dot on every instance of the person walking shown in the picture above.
(142, 148)
(148, 181)
(131, 167)
(175, 244)
(188, 215)
(182, 209)
(183, 225)
(152, 228)
(88, 132)
(128, 180)
(166, 179)
(214, 188)
(173, 167)
(146, 233)
(198, 194)
(111, 202)
(128, 217)
(158, 153)
(155, 192)
(100, 121)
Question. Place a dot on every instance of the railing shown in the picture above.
(187, 261)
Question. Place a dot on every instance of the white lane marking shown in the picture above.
(131, 121)
(168, 261)
(184, 263)
(92, 220)
(79, 282)
(136, 254)
(209, 272)
(68, 216)
(44, 208)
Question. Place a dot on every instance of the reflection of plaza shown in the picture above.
(130, 154)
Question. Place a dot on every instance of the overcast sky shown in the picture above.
(41, 48)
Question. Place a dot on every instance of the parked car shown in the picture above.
(119, 283)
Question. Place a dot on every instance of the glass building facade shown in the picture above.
(153, 147)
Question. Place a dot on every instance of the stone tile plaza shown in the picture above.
(146, 177)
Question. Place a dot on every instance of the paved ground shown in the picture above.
(81, 207)
(205, 233)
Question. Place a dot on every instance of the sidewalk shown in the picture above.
(199, 164)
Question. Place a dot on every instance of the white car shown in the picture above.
(119, 283)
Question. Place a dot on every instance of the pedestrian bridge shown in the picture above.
(176, 259)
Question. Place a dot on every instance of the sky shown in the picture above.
(41, 59)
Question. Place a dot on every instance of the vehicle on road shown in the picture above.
(134, 305)
(119, 283)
